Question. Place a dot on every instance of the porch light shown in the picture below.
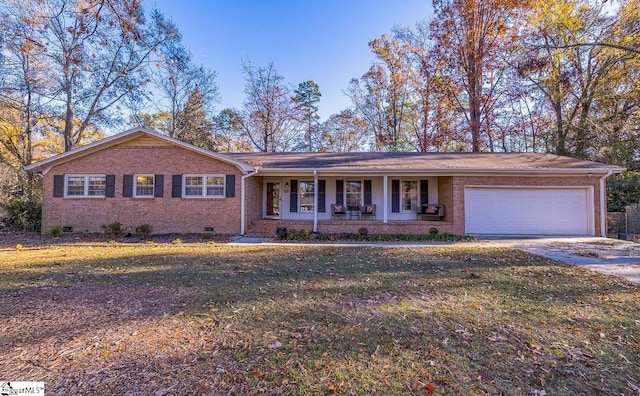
(286, 185)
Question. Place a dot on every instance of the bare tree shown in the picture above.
(96, 51)
(471, 37)
(269, 114)
(174, 79)
(345, 132)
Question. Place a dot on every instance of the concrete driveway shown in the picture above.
(610, 256)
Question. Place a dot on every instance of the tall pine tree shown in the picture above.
(192, 125)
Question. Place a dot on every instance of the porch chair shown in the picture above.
(431, 212)
(338, 211)
(368, 211)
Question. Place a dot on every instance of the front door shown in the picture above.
(273, 199)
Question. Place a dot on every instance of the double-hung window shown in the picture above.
(204, 186)
(307, 194)
(143, 186)
(85, 186)
(353, 192)
(409, 195)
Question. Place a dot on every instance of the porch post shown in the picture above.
(315, 201)
(385, 197)
(603, 204)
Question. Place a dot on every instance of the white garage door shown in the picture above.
(528, 211)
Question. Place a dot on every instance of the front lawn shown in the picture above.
(215, 319)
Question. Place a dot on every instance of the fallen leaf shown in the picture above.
(429, 388)
(275, 345)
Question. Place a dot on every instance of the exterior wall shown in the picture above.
(445, 189)
(450, 192)
(377, 196)
(459, 183)
(164, 214)
(254, 199)
(193, 215)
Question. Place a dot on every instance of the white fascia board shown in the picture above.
(441, 172)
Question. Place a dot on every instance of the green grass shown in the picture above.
(215, 319)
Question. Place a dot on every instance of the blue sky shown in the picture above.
(323, 40)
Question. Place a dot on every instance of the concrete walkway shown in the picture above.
(610, 256)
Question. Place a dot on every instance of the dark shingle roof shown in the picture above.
(419, 161)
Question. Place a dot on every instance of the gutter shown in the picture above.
(243, 194)
(603, 202)
(444, 171)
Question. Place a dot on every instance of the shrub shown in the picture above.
(281, 233)
(144, 229)
(113, 229)
(433, 230)
(292, 235)
(24, 215)
(54, 231)
(363, 231)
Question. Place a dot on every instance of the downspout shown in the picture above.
(603, 213)
(315, 201)
(242, 198)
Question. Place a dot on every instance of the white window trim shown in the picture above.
(204, 186)
(300, 196)
(86, 186)
(135, 185)
(414, 210)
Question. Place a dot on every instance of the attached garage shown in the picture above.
(529, 210)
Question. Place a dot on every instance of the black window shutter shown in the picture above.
(395, 196)
(127, 186)
(424, 192)
(367, 192)
(176, 186)
(339, 192)
(293, 197)
(322, 187)
(230, 186)
(110, 186)
(58, 186)
(158, 186)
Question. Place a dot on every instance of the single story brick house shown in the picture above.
(143, 177)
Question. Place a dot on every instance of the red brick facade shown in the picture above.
(145, 153)
(451, 191)
(459, 183)
(165, 214)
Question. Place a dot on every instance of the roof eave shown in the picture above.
(445, 171)
(123, 137)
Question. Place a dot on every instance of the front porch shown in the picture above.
(384, 204)
(266, 228)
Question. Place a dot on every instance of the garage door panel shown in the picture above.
(527, 211)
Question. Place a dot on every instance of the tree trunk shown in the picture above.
(561, 143)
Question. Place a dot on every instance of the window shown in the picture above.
(409, 195)
(143, 185)
(85, 186)
(307, 194)
(353, 194)
(203, 186)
